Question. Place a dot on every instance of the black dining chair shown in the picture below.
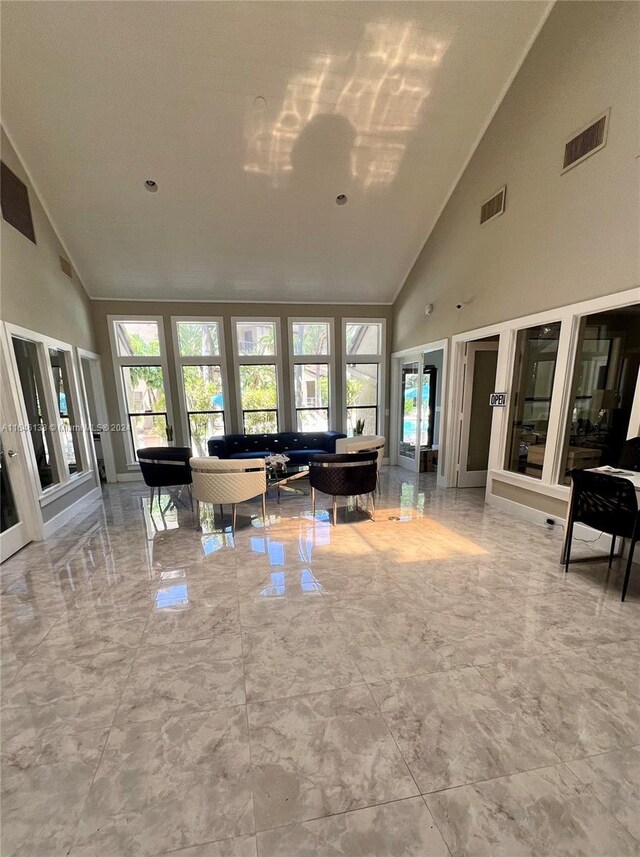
(630, 455)
(606, 503)
(165, 467)
(347, 474)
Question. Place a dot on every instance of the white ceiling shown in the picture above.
(381, 101)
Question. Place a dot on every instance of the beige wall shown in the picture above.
(34, 292)
(542, 503)
(563, 238)
(102, 309)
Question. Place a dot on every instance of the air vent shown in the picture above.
(493, 207)
(66, 267)
(14, 199)
(591, 139)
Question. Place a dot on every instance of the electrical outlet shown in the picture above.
(550, 522)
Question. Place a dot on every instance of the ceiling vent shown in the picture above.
(591, 139)
(493, 207)
(66, 267)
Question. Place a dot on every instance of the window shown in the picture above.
(201, 373)
(530, 399)
(51, 407)
(37, 413)
(66, 409)
(602, 390)
(140, 369)
(363, 355)
(312, 364)
(258, 371)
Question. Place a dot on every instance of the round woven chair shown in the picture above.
(224, 481)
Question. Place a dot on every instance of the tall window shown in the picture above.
(256, 347)
(311, 350)
(51, 402)
(530, 400)
(140, 368)
(363, 352)
(602, 392)
(202, 377)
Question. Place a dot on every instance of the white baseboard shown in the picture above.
(536, 516)
(80, 508)
(133, 476)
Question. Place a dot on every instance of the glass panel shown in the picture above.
(363, 337)
(201, 428)
(198, 338)
(313, 420)
(258, 387)
(362, 384)
(429, 381)
(69, 435)
(34, 402)
(604, 380)
(409, 410)
(260, 422)
(310, 338)
(203, 388)
(369, 417)
(311, 383)
(144, 389)
(148, 430)
(531, 389)
(8, 511)
(137, 338)
(256, 337)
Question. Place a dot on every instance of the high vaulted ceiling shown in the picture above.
(252, 118)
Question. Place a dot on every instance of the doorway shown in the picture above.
(96, 410)
(418, 409)
(480, 364)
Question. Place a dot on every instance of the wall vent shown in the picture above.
(66, 267)
(493, 207)
(586, 142)
(14, 200)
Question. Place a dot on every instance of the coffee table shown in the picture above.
(280, 480)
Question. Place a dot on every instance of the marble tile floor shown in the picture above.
(430, 684)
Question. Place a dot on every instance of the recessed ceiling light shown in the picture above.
(151, 186)
(341, 199)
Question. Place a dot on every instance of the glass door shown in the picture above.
(409, 416)
(13, 530)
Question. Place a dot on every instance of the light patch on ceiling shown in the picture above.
(379, 89)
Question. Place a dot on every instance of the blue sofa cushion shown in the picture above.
(248, 445)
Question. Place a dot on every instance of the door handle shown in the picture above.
(11, 453)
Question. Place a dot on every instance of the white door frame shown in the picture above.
(30, 526)
(394, 423)
(470, 478)
(101, 411)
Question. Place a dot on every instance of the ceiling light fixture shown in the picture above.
(341, 199)
(151, 186)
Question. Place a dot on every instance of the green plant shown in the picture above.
(359, 429)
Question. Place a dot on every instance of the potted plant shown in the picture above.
(359, 429)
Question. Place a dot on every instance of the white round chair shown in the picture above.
(223, 481)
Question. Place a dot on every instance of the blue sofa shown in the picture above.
(297, 445)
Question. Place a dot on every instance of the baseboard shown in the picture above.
(79, 508)
(538, 517)
(133, 476)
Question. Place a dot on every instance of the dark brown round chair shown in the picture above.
(349, 474)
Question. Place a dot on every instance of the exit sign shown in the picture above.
(498, 400)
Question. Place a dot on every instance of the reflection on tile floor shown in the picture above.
(425, 685)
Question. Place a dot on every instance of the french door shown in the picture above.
(14, 529)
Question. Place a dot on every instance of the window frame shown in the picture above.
(380, 358)
(66, 480)
(328, 359)
(258, 360)
(211, 360)
(121, 361)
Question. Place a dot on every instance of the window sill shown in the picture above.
(530, 483)
(57, 491)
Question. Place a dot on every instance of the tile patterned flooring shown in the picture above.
(428, 685)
